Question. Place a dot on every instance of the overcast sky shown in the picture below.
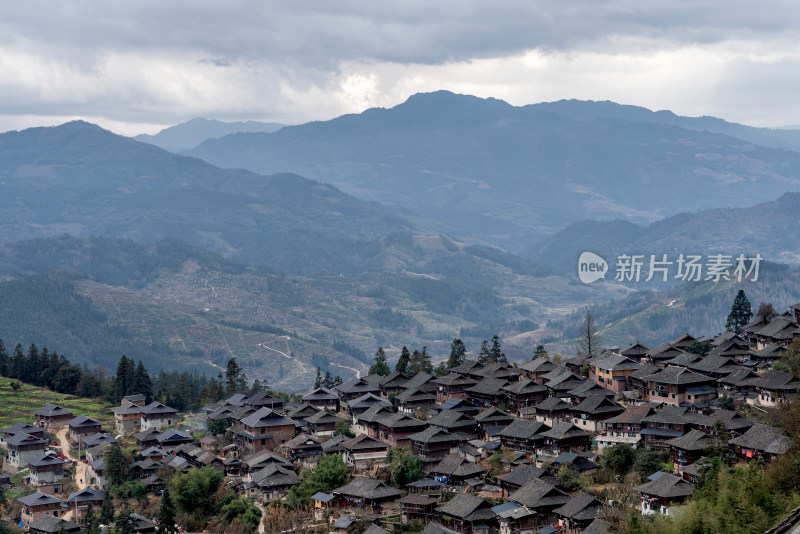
(135, 67)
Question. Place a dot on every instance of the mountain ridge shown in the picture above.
(508, 176)
(191, 133)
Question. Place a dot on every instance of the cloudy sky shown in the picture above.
(136, 67)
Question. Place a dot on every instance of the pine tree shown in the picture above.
(327, 382)
(539, 352)
(3, 359)
(402, 364)
(124, 521)
(458, 353)
(125, 379)
(318, 379)
(166, 514)
(142, 383)
(17, 362)
(496, 353)
(740, 314)
(381, 367)
(235, 379)
(420, 362)
(484, 356)
(337, 380)
(107, 509)
(116, 467)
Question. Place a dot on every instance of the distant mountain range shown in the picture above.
(510, 176)
(109, 245)
(200, 263)
(191, 133)
(80, 179)
(769, 228)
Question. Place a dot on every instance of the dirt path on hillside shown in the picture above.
(81, 469)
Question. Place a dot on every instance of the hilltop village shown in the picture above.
(537, 447)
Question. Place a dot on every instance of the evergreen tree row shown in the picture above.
(181, 390)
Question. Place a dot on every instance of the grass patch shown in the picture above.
(18, 406)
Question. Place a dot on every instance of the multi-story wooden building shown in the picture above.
(52, 416)
(264, 430)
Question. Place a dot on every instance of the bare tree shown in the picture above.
(588, 340)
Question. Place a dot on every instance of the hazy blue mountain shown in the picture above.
(582, 110)
(699, 308)
(95, 299)
(191, 133)
(769, 228)
(80, 179)
(486, 170)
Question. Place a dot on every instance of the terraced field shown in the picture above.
(18, 406)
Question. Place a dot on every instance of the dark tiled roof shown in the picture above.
(86, 494)
(83, 420)
(635, 349)
(493, 414)
(156, 408)
(552, 404)
(455, 379)
(599, 526)
(334, 444)
(275, 475)
(357, 385)
(598, 404)
(434, 434)
(369, 488)
(23, 438)
(539, 365)
(47, 459)
(303, 441)
(49, 523)
(522, 474)
(52, 410)
(451, 419)
(467, 507)
(581, 507)
(375, 529)
(321, 394)
(37, 499)
(564, 430)
(538, 493)
(488, 386)
(763, 438)
(362, 441)
(465, 367)
(435, 528)
(400, 421)
(616, 362)
(419, 380)
(523, 386)
(454, 465)
(590, 387)
(776, 380)
(694, 440)
(677, 375)
(415, 395)
(667, 486)
(632, 415)
(523, 429)
(264, 417)
(368, 399)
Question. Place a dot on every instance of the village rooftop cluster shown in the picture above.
(539, 416)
